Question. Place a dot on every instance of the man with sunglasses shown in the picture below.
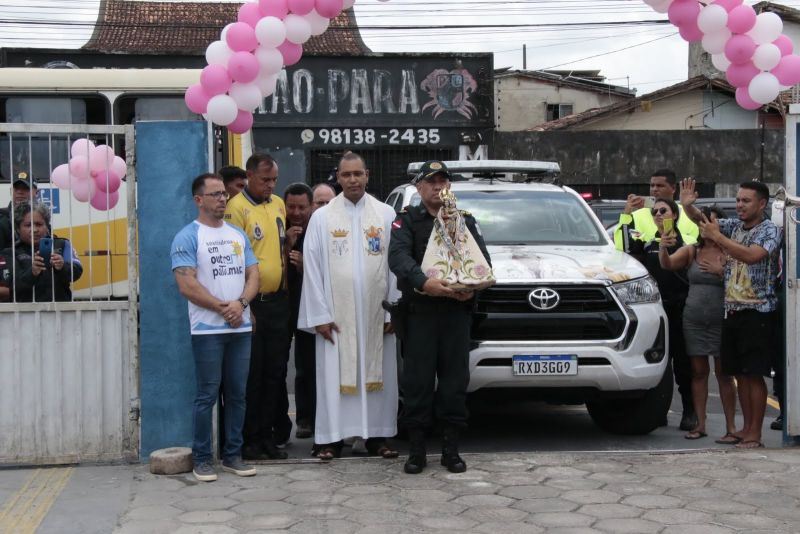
(637, 218)
(216, 271)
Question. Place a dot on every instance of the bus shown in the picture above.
(90, 97)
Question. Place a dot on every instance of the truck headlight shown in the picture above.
(640, 291)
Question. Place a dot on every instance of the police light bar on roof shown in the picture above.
(494, 165)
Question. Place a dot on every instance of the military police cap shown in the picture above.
(429, 169)
(23, 180)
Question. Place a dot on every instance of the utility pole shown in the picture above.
(524, 57)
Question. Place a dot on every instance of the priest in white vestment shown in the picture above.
(345, 279)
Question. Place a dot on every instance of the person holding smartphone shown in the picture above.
(637, 222)
(44, 267)
(674, 287)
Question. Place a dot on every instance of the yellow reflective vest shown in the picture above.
(642, 221)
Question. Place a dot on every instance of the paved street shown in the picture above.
(700, 492)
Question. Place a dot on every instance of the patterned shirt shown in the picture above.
(752, 287)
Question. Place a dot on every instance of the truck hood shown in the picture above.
(514, 264)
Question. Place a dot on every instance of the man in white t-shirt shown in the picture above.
(217, 272)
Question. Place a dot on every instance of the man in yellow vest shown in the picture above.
(638, 219)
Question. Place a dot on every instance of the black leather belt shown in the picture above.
(266, 297)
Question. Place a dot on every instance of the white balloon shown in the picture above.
(270, 59)
(712, 18)
(246, 95)
(266, 84)
(767, 56)
(720, 62)
(661, 6)
(222, 110)
(714, 43)
(769, 27)
(317, 22)
(218, 53)
(298, 30)
(764, 88)
(347, 4)
(270, 32)
(224, 31)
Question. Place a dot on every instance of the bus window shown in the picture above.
(148, 108)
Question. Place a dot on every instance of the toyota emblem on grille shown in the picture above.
(543, 298)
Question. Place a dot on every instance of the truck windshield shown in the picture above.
(530, 217)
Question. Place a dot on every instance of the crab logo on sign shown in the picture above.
(544, 298)
(450, 91)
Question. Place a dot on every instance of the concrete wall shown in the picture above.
(628, 157)
(521, 102)
(680, 112)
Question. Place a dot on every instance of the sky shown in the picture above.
(621, 38)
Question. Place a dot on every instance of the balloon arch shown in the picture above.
(243, 66)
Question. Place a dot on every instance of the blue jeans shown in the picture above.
(220, 359)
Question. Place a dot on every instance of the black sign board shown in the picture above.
(382, 92)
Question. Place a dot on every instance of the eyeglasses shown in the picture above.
(217, 195)
(658, 211)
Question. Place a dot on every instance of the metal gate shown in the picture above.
(69, 372)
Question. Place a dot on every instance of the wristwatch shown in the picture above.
(243, 301)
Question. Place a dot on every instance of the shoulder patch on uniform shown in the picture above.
(397, 224)
(465, 213)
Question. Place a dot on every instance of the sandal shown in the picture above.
(381, 448)
(729, 439)
(695, 434)
(749, 444)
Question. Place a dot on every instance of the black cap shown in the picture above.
(22, 179)
(431, 168)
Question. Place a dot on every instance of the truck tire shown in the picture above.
(635, 416)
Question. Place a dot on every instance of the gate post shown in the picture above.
(168, 157)
(791, 274)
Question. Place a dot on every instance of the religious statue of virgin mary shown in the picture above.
(452, 253)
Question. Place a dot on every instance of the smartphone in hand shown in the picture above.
(649, 202)
(46, 250)
(669, 226)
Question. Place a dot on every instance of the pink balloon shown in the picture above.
(100, 158)
(729, 4)
(104, 201)
(744, 100)
(242, 122)
(79, 167)
(681, 13)
(243, 67)
(291, 52)
(274, 8)
(241, 37)
(249, 14)
(300, 7)
(196, 98)
(740, 49)
(741, 19)
(107, 182)
(690, 32)
(215, 80)
(83, 190)
(329, 8)
(81, 147)
(788, 70)
(60, 176)
(740, 75)
(119, 167)
(784, 44)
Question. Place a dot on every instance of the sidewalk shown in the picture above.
(705, 492)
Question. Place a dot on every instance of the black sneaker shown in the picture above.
(254, 452)
(304, 431)
(777, 424)
(238, 467)
(204, 472)
(453, 462)
(272, 452)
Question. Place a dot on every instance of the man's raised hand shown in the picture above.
(688, 192)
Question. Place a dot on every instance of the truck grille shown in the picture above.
(503, 313)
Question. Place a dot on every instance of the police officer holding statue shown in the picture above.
(440, 260)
